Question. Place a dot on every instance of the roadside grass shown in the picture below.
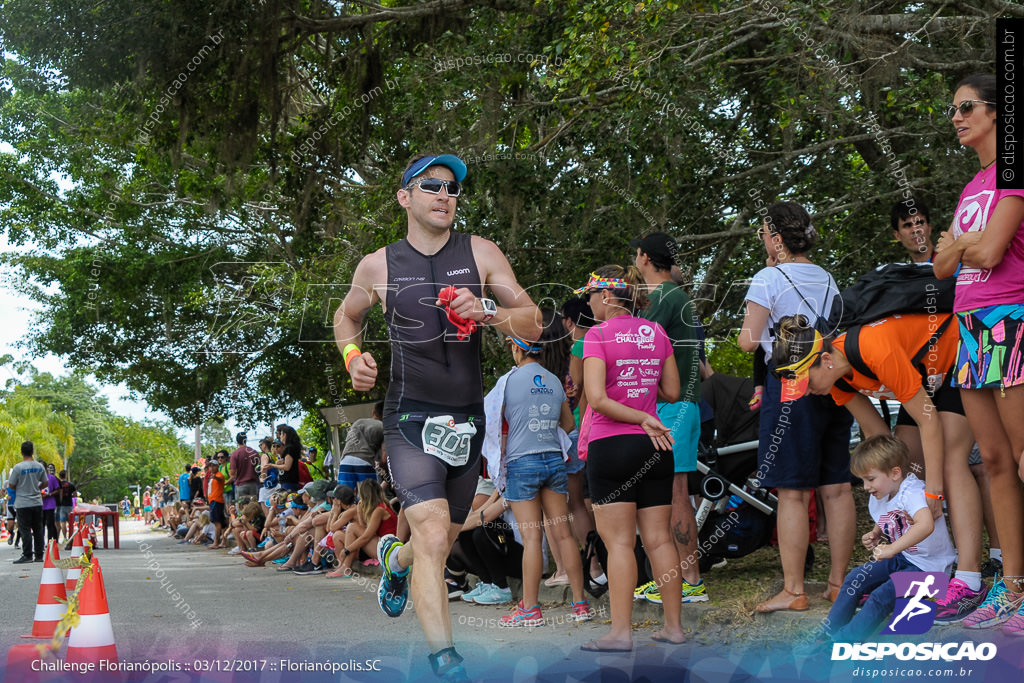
(736, 589)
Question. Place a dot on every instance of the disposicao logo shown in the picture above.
(914, 614)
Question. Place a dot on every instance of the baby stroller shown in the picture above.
(736, 515)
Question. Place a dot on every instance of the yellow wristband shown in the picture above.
(350, 352)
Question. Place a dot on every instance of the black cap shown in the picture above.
(344, 494)
(241, 437)
(659, 247)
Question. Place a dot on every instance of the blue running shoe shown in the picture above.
(393, 589)
(447, 665)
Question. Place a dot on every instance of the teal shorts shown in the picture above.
(683, 418)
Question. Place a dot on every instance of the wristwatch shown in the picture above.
(490, 309)
(346, 551)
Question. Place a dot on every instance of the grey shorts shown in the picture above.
(247, 490)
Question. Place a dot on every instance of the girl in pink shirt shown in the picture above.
(627, 367)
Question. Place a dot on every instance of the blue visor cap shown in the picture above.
(450, 161)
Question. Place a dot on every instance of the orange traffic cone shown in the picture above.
(93, 639)
(51, 592)
(76, 551)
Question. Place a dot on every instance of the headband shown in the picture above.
(602, 282)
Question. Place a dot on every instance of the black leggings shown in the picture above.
(475, 554)
(30, 523)
(50, 522)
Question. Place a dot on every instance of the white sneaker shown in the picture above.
(234, 551)
(494, 596)
(479, 589)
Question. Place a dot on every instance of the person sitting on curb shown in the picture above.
(491, 547)
(315, 496)
(374, 519)
(247, 528)
(294, 515)
(201, 532)
(343, 512)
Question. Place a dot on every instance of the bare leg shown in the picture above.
(432, 536)
(556, 513)
(793, 541)
(403, 531)
(318, 534)
(981, 476)
(911, 436)
(684, 529)
(556, 553)
(346, 560)
(528, 516)
(821, 530)
(961, 490)
(997, 452)
(661, 549)
(616, 522)
(842, 528)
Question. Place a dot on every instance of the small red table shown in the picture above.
(107, 517)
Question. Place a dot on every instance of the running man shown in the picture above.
(914, 608)
(433, 411)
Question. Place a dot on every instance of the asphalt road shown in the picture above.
(260, 625)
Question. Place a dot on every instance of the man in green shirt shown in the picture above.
(671, 308)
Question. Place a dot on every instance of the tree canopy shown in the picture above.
(194, 183)
(73, 428)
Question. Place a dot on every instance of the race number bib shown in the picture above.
(446, 440)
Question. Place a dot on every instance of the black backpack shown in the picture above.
(735, 533)
(595, 547)
(889, 289)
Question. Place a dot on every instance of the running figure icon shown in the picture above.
(915, 608)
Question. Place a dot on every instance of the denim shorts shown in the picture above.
(528, 474)
(574, 464)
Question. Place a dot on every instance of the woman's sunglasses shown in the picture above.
(434, 185)
(965, 108)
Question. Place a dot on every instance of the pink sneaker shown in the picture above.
(1015, 626)
(999, 607)
(581, 611)
(959, 602)
(523, 617)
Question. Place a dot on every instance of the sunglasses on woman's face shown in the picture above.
(434, 185)
(965, 108)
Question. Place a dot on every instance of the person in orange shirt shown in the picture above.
(215, 496)
(905, 358)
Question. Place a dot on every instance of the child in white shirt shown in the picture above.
(905, 539)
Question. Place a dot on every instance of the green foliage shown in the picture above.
(229, 163)
(726, 357)
(109, 452)
(314, 431)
